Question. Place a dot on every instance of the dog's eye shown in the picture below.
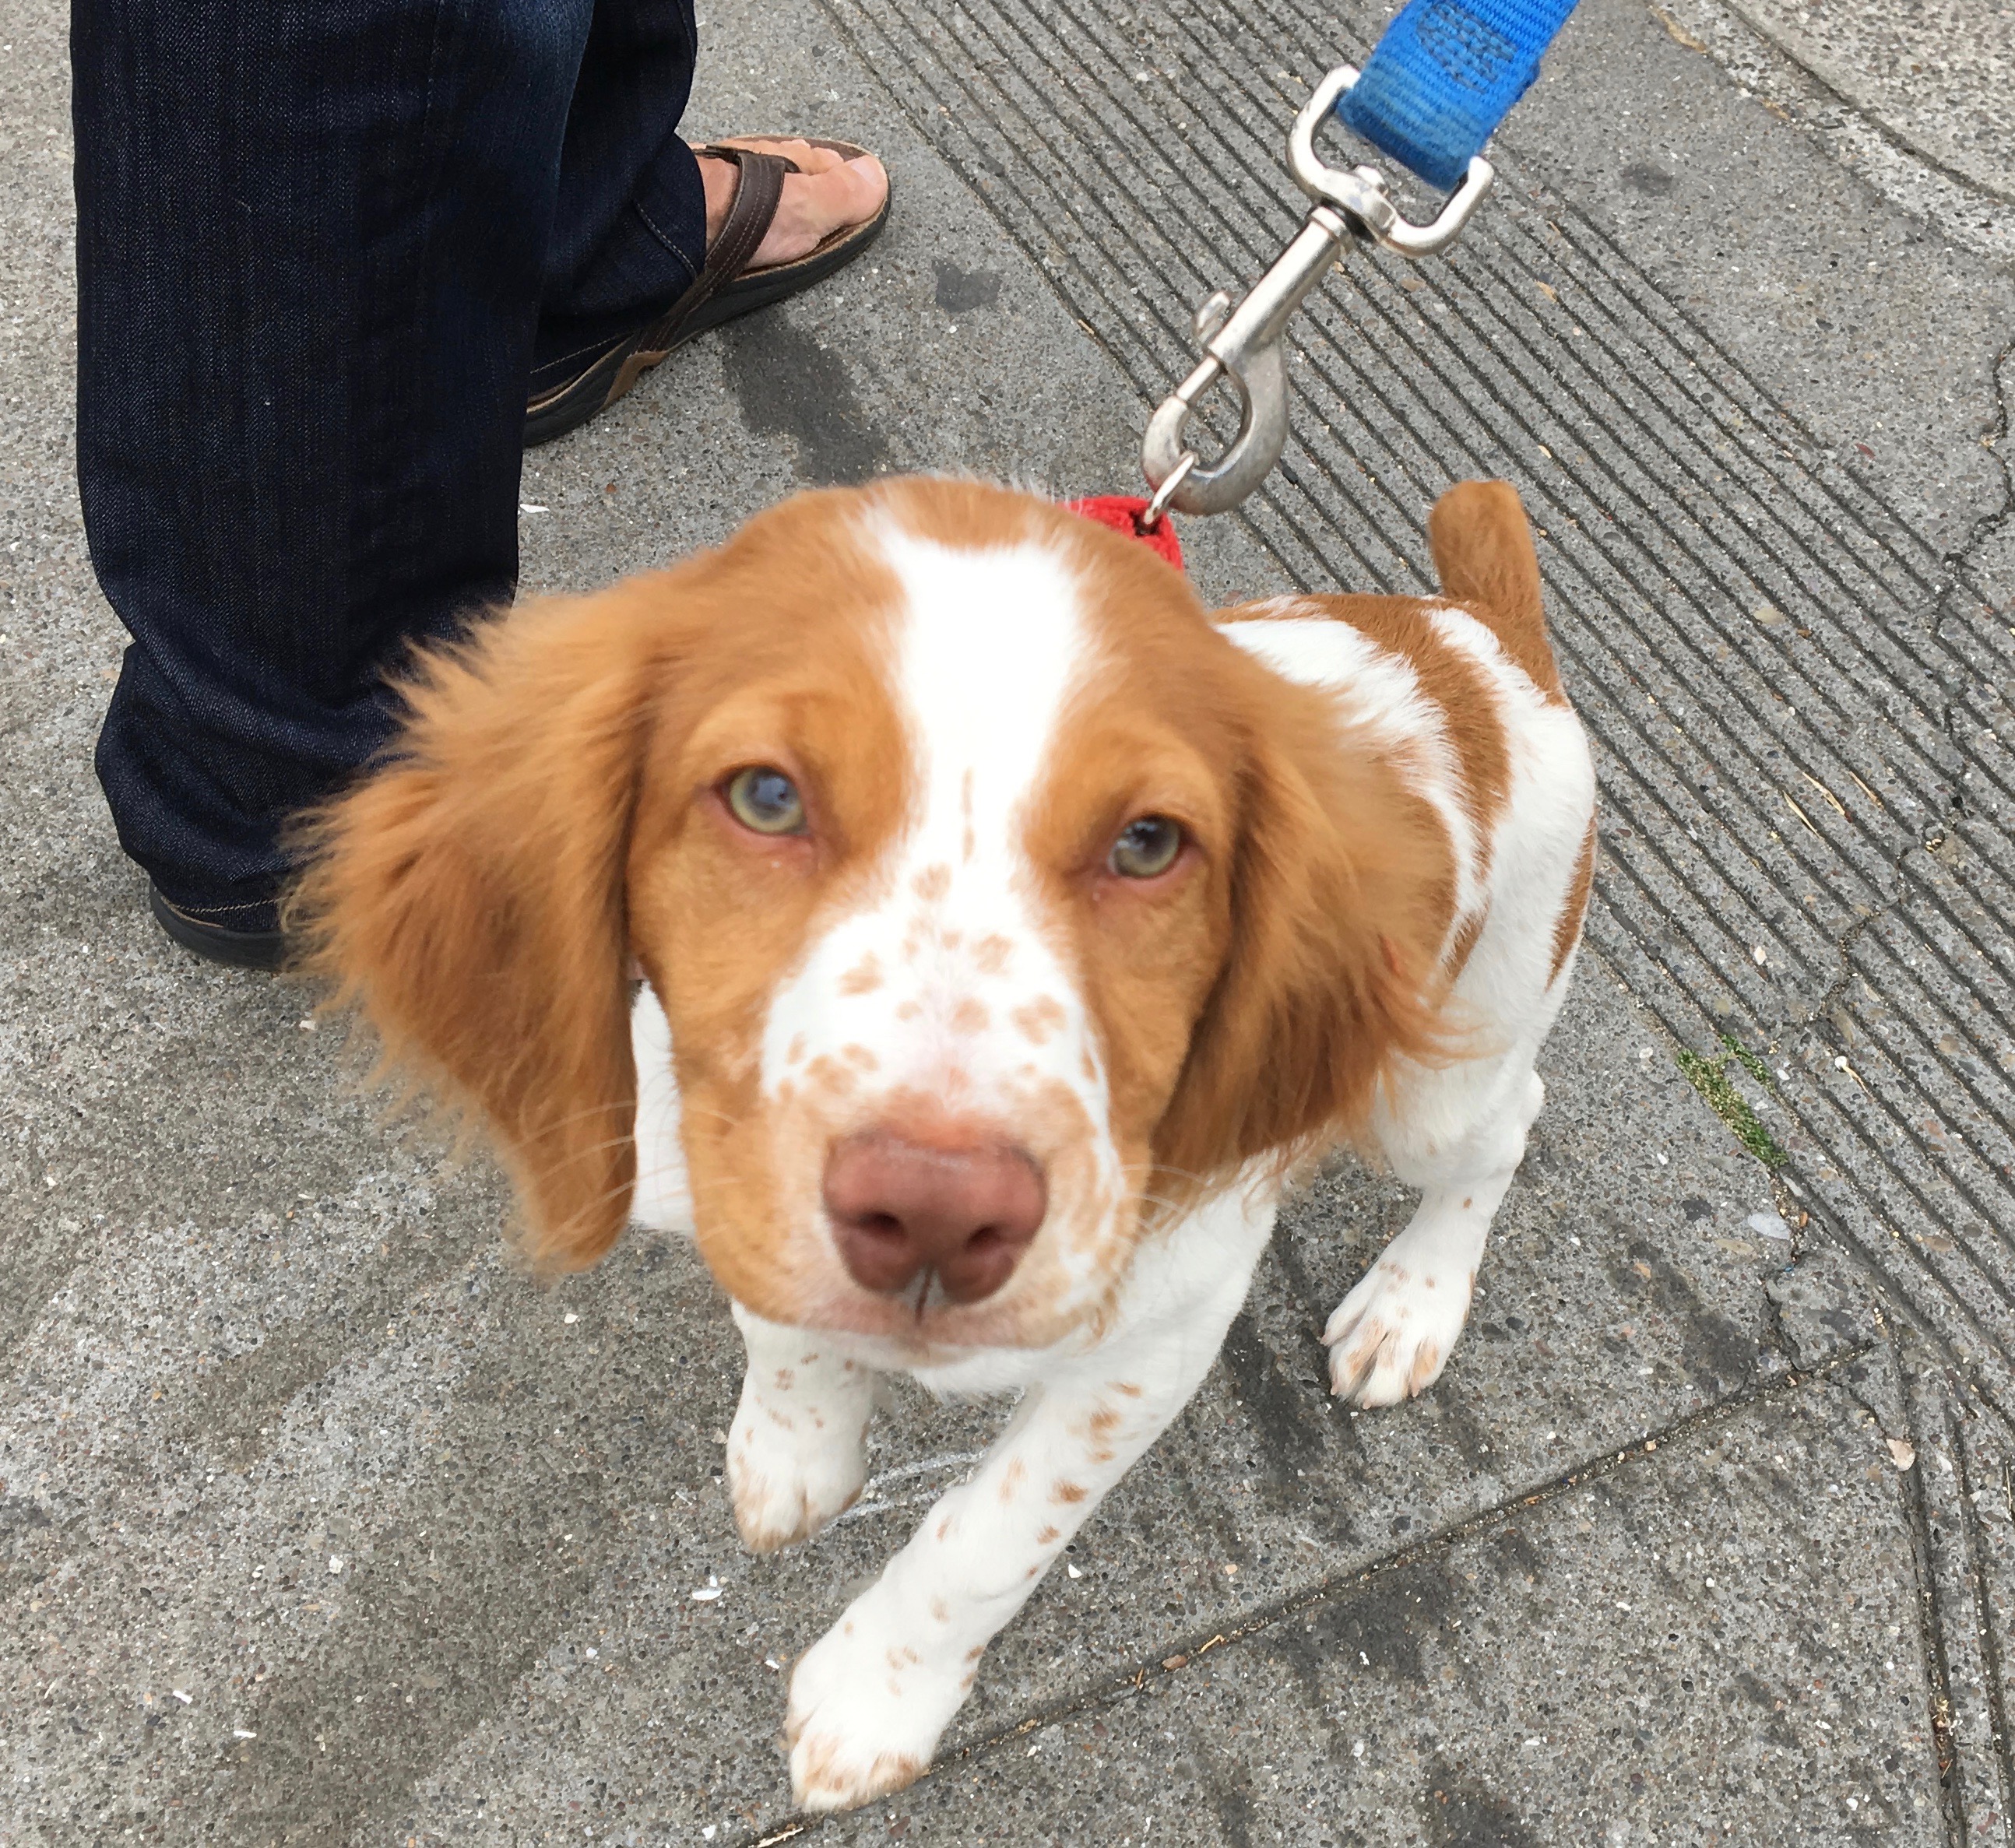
(1146, 848)
(766, 800)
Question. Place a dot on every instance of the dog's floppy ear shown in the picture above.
(1327, 974)
(469, 896)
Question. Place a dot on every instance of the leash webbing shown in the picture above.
(1446, 73)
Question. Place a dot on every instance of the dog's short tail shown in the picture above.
(1483, 555)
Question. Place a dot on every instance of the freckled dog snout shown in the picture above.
(900, 1207)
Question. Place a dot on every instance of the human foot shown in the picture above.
(782, 214)
(827, 193)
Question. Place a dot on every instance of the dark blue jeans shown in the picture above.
(323, 246)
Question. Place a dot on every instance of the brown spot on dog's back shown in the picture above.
(1454, 682)
(1039, 1018)
(933, 884)
(796, 1050)
(1567, 926)
(1010, 1479)
(1045, 1534)
(1067, 1492)
(863, 978)
(859, 1054)
(1468, 691)
(971, 1017)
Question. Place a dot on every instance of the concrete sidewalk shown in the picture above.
(320, 1523)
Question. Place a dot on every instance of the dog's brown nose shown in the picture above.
(966, 1211)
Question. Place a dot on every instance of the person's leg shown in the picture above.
(311, 247)
(629, 231)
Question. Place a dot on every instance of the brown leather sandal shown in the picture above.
(722, 289)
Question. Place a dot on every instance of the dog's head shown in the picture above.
(994, 899)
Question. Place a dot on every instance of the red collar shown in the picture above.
(1123, 512)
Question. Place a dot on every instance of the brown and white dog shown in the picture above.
(1011, 930)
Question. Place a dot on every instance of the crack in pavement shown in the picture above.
(1961, 562)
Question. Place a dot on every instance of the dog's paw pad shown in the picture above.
(1390, 1338)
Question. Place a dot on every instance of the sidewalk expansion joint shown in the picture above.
(1982, 1617)
(1895, 138)
(1154, 1666)
(1965, 211)
(1932, 1642)
(1955, 1622)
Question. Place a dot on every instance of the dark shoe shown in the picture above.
(720, 291)
(217, 942)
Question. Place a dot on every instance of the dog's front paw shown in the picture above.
(793, 1463)
(1390, 1338)
(869, 1701)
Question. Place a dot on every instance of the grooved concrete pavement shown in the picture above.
(318, 1522)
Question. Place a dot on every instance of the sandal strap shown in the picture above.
(758, 190)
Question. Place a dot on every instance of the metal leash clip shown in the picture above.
(1242, 344)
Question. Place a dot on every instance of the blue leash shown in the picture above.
(1446, 73)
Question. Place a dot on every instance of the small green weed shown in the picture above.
(1750, 1062)
(1709, 1077)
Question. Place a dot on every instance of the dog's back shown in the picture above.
(1462, 691)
